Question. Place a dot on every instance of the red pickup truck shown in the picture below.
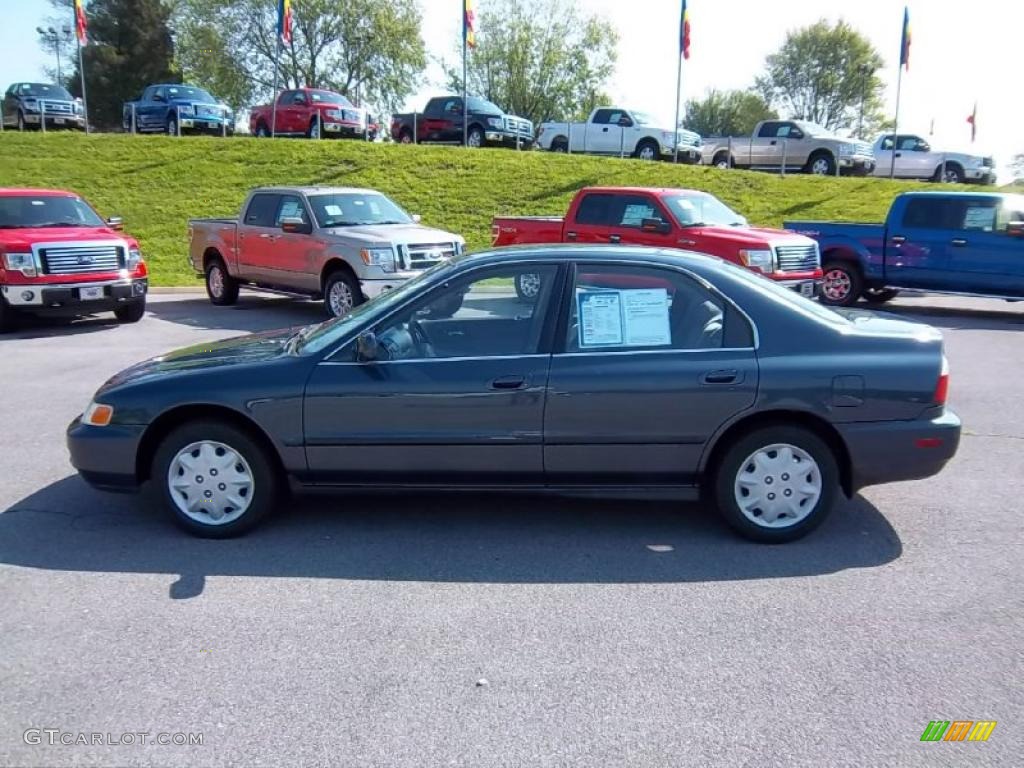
(58, 257)
(668, 218)
(310, 112)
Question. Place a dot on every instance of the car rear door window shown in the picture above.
(928, 213)
(262, 210)
(768, 130)
(602, 117)
(595, 209)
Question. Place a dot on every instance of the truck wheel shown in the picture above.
(221, 287)
(341, 293)
(879, 295)
(722, 161)
(647, 150)
(405, 137)
(131, 313)
(527, 286)
(821, 164)
(262, 131)
(475, 137)
(842, 285)
(776, 484)
(172, 125)
(21, 120)
(314, 129)
(560, 145)
(214, 479)
(954, 174)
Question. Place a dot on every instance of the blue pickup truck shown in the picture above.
(175, 108)
(940, 242)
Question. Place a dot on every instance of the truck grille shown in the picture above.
(516, 125)
(422, 256)
(80, 259)
(797, 258)
(57, 107)
(205, 110)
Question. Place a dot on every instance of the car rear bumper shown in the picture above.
(892, 451)
(105, 457)
(69, 297)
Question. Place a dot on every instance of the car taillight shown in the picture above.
(495, 231)
(942, 385)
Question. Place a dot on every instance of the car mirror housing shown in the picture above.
(417, 218)
(655, 225)
(116, 223)
(295, 225)
(367, 348)
(625, 122)
(1015, 229)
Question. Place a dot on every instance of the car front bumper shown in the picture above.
(56, 121)
(688, 154)
(983, 175)
(857, 164)
(70, 297)
(106, 457)
(506, 139)
(893, 451)
(353, 130)
(809, 288)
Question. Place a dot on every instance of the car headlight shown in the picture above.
(847, 149)
(495, 122)
(134, 258)
(20, 262)
(763, 261)
(185, 109)
(336, 114)
(79, 108)
(98, 414)
(32, 105)
(379, 257)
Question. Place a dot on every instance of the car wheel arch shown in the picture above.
(175, 417)
(333, 265)
(210, 255)
(743, 424)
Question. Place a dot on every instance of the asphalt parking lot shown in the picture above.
(506, 631)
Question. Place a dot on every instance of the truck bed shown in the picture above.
(526, 230)
(830, 229)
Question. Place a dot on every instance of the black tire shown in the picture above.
(221, 287)
(727, 489)
(821, 164)
(527, 285)
(475, 137)
(172, 125)
(722, 160)
(262, 131)
(879, 295)
(315, 130)
(131, 312)
(405, 137)
(842, 284)
(647, 149)
(265, 486)
(954, 174)
(21, 120)
(560, 144)
(337, 278)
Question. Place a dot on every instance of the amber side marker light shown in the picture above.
(98, 415)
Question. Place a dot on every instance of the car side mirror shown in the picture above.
(1015, 229)
(158, 97)
(116, 223)
(295, 225)
(655, 225)
(416, 218)
(795, 135)
(625, 122)
(367, 348)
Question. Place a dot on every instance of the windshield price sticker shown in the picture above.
(630, 318)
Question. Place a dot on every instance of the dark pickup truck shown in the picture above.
(174, 108)
(967, 243)
(41, 105)
(442, 121)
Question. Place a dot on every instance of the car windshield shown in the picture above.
(815, 130)
(482, 105)
(190, 93)
(314, 338)
(328, 97)
(353, 209)
(696, 209)
(642, 118)
(36, 211)
(43, 91)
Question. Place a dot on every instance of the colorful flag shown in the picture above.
(905, 43)
(684, 32)
(284, 21)
(80, 23)
(973, 120)
(469, 23)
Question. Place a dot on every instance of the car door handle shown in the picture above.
(959, 242)
(688, 243)
(899, 154)
(268, 236)
(614, 238)
(772, 142)
(509, 382)
(570, 235)
(898, 239)
(730, 376)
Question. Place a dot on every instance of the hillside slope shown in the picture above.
(157, 183)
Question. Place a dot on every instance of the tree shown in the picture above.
(539, 59)
(1017, 168)
(129, 47)
(727, 113)
(826, 74)
(368, 50)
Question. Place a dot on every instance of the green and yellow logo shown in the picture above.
(958, 730)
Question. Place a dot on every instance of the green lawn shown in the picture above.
(156, 183)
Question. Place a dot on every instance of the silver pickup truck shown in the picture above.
(796, 145)
(343, 245)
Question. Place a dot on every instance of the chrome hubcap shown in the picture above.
(406, 138)
(722, 164)
(339, 299)
(820, 167)
(836, 285)
(647, 153)
(314, 130)
(210, 482)
(216, 282)
(951, 177)
(529, 285)
(778, 486)
(172, 128)
(474, 140)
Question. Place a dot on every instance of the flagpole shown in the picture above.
(465, 76)
(81, 74)
(273, 113)
(679, 88)
(896, 125)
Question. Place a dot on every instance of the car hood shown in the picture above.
(26, 237)
(252, 348)
(869, 323)
(396, 233)
(752, 237)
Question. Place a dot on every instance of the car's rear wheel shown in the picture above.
(131, 313)
(221, 287)
(560, 145)
(879, 295)
(776, 484)
(842, 284)
(341, 293)
(215, 479)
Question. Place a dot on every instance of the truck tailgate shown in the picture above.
(526, 230)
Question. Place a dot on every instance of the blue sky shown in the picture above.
(962, 53)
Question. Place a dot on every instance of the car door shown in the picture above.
(648, 366)
(604, 134)
(456, 392)
(290, 256)
(257, 235)
(914, 159)
(982, 253)
(762, 145)
(918, 249)
(151, 112)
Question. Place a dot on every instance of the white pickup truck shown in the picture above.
(617, 131)
(915, 159)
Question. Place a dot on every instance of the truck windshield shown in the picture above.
(37, 211)
(482, 105)
(353, 209)
(815, 130)
(328, 97)
(190, 93)
(699, 209)
(43, 91)
(642, 118)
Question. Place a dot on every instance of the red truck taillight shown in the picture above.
(495, 231)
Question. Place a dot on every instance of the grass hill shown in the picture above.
(156, 183)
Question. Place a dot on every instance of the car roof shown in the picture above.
(318, 190)
(648, 190)
(21, 191)
(670, 257)
(952, 193)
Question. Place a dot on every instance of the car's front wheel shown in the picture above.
(215, 479)
(776, 484)
(341, 293)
